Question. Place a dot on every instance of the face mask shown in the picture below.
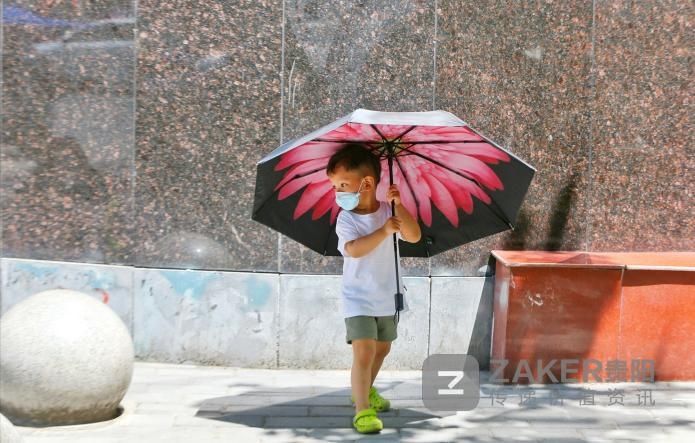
(348, 200)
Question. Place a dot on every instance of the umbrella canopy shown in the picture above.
(459, 185)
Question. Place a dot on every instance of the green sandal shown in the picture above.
(366, 422)
(376, 401)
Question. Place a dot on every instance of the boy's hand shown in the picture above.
(393, 194)
(392, 225)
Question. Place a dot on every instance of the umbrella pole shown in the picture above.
(398, 296)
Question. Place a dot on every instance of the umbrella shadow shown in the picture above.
(481, 339)
(559, 218)
(556, 240)
(318, 407)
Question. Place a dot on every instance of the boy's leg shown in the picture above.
(362, 335)
(363, 351)
(381, 350)
(386, 333)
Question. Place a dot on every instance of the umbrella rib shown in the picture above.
(378, 132)
(406, 131)
(440, 142)
(440, 164)
(366, 141)
(417, 142)
(345, 141)
(304, 175)
(501, 215)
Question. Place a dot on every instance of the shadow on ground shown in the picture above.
(318, 407)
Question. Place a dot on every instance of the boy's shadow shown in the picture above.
(318, 407)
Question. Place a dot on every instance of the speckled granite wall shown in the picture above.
(642, 187)
(68, 112)
(520, 73)
(130, 133)
(208, 96)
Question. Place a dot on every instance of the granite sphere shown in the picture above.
(66, 358)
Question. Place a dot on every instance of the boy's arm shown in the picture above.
(410, 229)
(364, 245)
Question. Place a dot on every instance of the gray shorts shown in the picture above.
(364, 326)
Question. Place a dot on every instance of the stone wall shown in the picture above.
(261, 320)
(131, 130)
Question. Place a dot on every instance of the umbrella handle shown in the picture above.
(398, 295)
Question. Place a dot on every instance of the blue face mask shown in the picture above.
(348, 200)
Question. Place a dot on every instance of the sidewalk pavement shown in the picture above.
(198, 404)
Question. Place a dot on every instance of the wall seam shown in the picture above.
(282, 136)
(592, 101)
(282, 112)
(133, 170)
(429, 319)
(277, 323)
(434, 59)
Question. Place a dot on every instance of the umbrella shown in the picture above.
(459, 185)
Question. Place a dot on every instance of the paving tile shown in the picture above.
(350, 435)
(272, 410)
(221, 421)
(454, 435)
(595, 435)
(308, 422)
(193, 405)
(534, 433)
(347, 411)
(279, 435)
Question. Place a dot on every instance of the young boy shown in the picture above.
(369, 275)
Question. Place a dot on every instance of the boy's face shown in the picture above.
(348, 181)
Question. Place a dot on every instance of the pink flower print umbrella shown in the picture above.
(458, 184)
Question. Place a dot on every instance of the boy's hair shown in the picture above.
(355, 156)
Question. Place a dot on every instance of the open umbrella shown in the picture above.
(459, 185)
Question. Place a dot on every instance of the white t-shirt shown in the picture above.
(369, 282)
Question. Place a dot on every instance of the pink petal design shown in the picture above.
(465, 164)
(448, 133)
(407, 197)
(399, 180)
(326, 203)
(422, 193)
(311, 195)
(462, 196)
(308, 151)
(442, 199)
(478, 169)
(297, 184)
(302, 168)
(482, 151)
(463, 183)
(352, 131)
(390, 131)
(430, 182)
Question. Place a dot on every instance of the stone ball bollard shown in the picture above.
(8, 434)
(66, 359)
